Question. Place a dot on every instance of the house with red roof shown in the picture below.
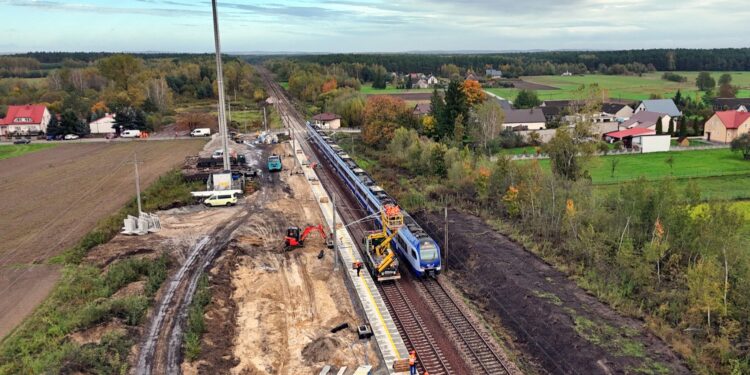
(725, 126)
(25, 120)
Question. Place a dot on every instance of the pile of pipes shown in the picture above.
(267, 138)
(144, 224)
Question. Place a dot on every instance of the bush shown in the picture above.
(195, 323)
(673, 77)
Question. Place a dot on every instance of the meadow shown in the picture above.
(367, 89)
(12, 151)
(633, 88)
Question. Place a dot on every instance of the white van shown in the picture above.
(218, 154)
(130, 134)
(200, 132)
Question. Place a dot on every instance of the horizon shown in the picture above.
(371, 26)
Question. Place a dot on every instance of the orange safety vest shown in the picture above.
(412, 359)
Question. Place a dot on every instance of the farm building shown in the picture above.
(25, 120)
(729, 104)
(493, 73)
(422, 109)
(641, 139)
(618, 111)
(724, 126)
(664, 106)
(104, 125)
(525, 119)
(327, 120)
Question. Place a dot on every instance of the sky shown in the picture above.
(371, 25)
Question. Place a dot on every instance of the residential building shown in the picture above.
(327, 120)
(421, 84)
(725, 126)
(25, 120)
(665, 106)
(525, 119)
(566, 74)
(617, 110)
(422, 109)
(432, 80)
(728, 104)
(493, 74)
(641, 139)
(471, 77)
(647, 120)
(104, 125)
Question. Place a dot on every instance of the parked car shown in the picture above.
(221, 199)
(200, 132)
(22, 141)
(218, 154)
(130, 134)
(69, 137)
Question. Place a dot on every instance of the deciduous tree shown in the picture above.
(704, 81)
(474, 92)
(526, 99)
(742, 144)
(490, 117)
(704, 285)
(382, 114)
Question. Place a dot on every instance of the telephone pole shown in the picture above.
(335, 238)
(137, 184)
(445, 240)
(220, 83)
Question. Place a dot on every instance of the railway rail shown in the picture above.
(476, 353)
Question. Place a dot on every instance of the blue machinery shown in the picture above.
(412, 243)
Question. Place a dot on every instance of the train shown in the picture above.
(413, 245)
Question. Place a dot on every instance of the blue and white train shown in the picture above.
(418, 249)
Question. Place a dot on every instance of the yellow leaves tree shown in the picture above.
(473, 91)
(704, 285)
(382, 114)
(428, 125)
(329, 85)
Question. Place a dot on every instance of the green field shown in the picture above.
(368, 90)
(623, 87)
(12, 151)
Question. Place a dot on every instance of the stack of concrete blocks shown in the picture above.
(144, 224)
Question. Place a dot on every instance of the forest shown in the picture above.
(553, 62)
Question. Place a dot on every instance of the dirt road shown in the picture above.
(562, 329)
(51, 198)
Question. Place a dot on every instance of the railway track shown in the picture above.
(469, 350)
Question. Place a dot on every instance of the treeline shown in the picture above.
(143, 93)
(556, 62)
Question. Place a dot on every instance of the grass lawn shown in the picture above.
(12, 151)
(744, 208)
(724, 188)
(624, 87)
(368, 90)
(285, 85)
(529, 150)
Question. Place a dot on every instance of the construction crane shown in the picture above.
(296, 238)
(381, 258)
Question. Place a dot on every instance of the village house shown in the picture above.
(432, 80)
(327, 120)
(104, 125)
(647, 120)
(422, 109)
(525, 119)
(421, 84)
(641, 139)
(25, 120)
(494, 74)
(665, 106)
(725, 126)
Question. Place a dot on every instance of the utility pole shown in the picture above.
(445, 240)
(137, 184)
(220, 83)
(265, 119)
(335, 238)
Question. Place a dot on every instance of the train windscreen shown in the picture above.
(428, 252)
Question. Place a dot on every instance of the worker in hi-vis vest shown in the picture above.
(413, 363)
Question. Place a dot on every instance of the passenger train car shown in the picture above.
(419, 250)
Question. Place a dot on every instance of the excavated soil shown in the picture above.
(560, 328)
(271, 311)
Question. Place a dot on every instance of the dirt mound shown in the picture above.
(321, 349)
(94, 335)
(133, 289)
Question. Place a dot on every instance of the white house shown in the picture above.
(421, 84)
(103, 125)
(432, 80)
(327, 120)
(25, 120)
(664, 106)
(525, 119)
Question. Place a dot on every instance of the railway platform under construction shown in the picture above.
(390, 342)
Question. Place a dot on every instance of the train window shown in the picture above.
(428, 251)
(414, 254)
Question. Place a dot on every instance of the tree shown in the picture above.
(725, 79)
(455, 104)
(526, 99)
(329, 85)
(704, 81)
(565, 154)
(727, 91)
(437, 110)
(71, 124)
(459, 131)
(704, 286)
(490, 117)
(742, 144)
(660, 126)
(53, 128)
(380, 79)
(120, 69)
(474, 93)
(682, 128)
(381, 119)
(129, 118)
(670, 129)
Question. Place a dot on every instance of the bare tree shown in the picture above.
(490, 117)
(158, 91)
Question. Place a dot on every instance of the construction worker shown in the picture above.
(359, 267)
(413, 363)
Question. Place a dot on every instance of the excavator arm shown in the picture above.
(384, 248)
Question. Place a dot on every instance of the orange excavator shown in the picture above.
(295, 239)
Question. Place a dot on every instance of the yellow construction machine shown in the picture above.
(381, 258)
